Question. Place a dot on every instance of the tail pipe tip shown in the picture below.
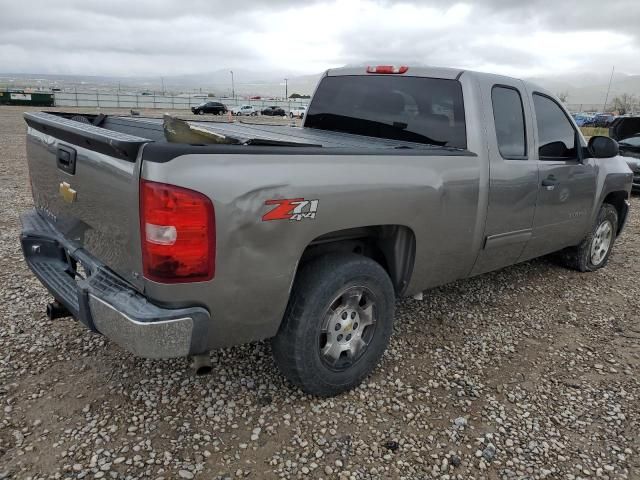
(201, 364)
(57, 310)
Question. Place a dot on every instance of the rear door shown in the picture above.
(85, 180)
(513, 186)
(566, 191)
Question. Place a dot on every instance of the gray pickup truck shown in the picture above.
(400, 179)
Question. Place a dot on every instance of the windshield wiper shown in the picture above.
(318, 120)
(278, 143)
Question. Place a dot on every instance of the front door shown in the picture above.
(567, 181)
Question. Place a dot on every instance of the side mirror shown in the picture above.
(603, 147)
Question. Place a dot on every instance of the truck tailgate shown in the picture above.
(85, 180)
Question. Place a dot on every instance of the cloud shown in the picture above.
(162, 37)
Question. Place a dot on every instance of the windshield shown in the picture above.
(415, 109)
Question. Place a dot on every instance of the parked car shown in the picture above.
(274, 111)
(298, 111)
(216, 108)
(396, 183)
(603, 120)
(583, 120)
(244, 110)
(626, 130)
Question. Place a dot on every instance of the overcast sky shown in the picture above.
(166, 37)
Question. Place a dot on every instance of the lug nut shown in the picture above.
(344, 315)
(339, 337)
(353, 315)
(338, 326)
(348, 337)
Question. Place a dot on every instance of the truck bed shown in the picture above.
(146, 129)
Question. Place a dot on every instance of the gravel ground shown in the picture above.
(529, 372)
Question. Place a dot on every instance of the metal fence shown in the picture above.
(584, 107)
(596, 107)
(133, 101)
(185, 102)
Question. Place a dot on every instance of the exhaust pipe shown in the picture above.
(56, 310)
(201, 364)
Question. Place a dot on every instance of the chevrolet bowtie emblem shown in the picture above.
(67, 193)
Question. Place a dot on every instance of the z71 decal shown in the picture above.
(291, 209)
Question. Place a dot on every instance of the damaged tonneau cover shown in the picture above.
(121, 136)
(284, 135)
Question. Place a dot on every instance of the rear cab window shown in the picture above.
(413, 109)
(508, 114)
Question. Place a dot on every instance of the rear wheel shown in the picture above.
(594, 251)
(337, 324)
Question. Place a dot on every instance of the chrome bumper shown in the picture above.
(104, 302)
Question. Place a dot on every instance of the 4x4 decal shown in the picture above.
(291, 209)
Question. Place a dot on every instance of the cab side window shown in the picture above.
(508, 115)
(556, 136)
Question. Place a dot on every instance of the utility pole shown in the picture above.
(606, 99)
(286, 88)
(162, 80)
(233, 90)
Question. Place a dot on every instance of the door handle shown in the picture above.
(549, 183)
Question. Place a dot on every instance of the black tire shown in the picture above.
(297, 348)
(291, 115)
(580, 257)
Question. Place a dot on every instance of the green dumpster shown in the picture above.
(27, 99)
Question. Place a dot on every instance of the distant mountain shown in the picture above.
(245, 82)
(590, 88)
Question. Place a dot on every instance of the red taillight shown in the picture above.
(387, 69)
(177, 228)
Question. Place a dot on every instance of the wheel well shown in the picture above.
(392, 246)
(617, 199)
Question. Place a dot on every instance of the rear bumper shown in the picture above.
(104, 302)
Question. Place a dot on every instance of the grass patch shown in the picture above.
(593, 131)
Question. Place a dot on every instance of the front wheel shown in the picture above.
(594, 251)
(337, 324)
